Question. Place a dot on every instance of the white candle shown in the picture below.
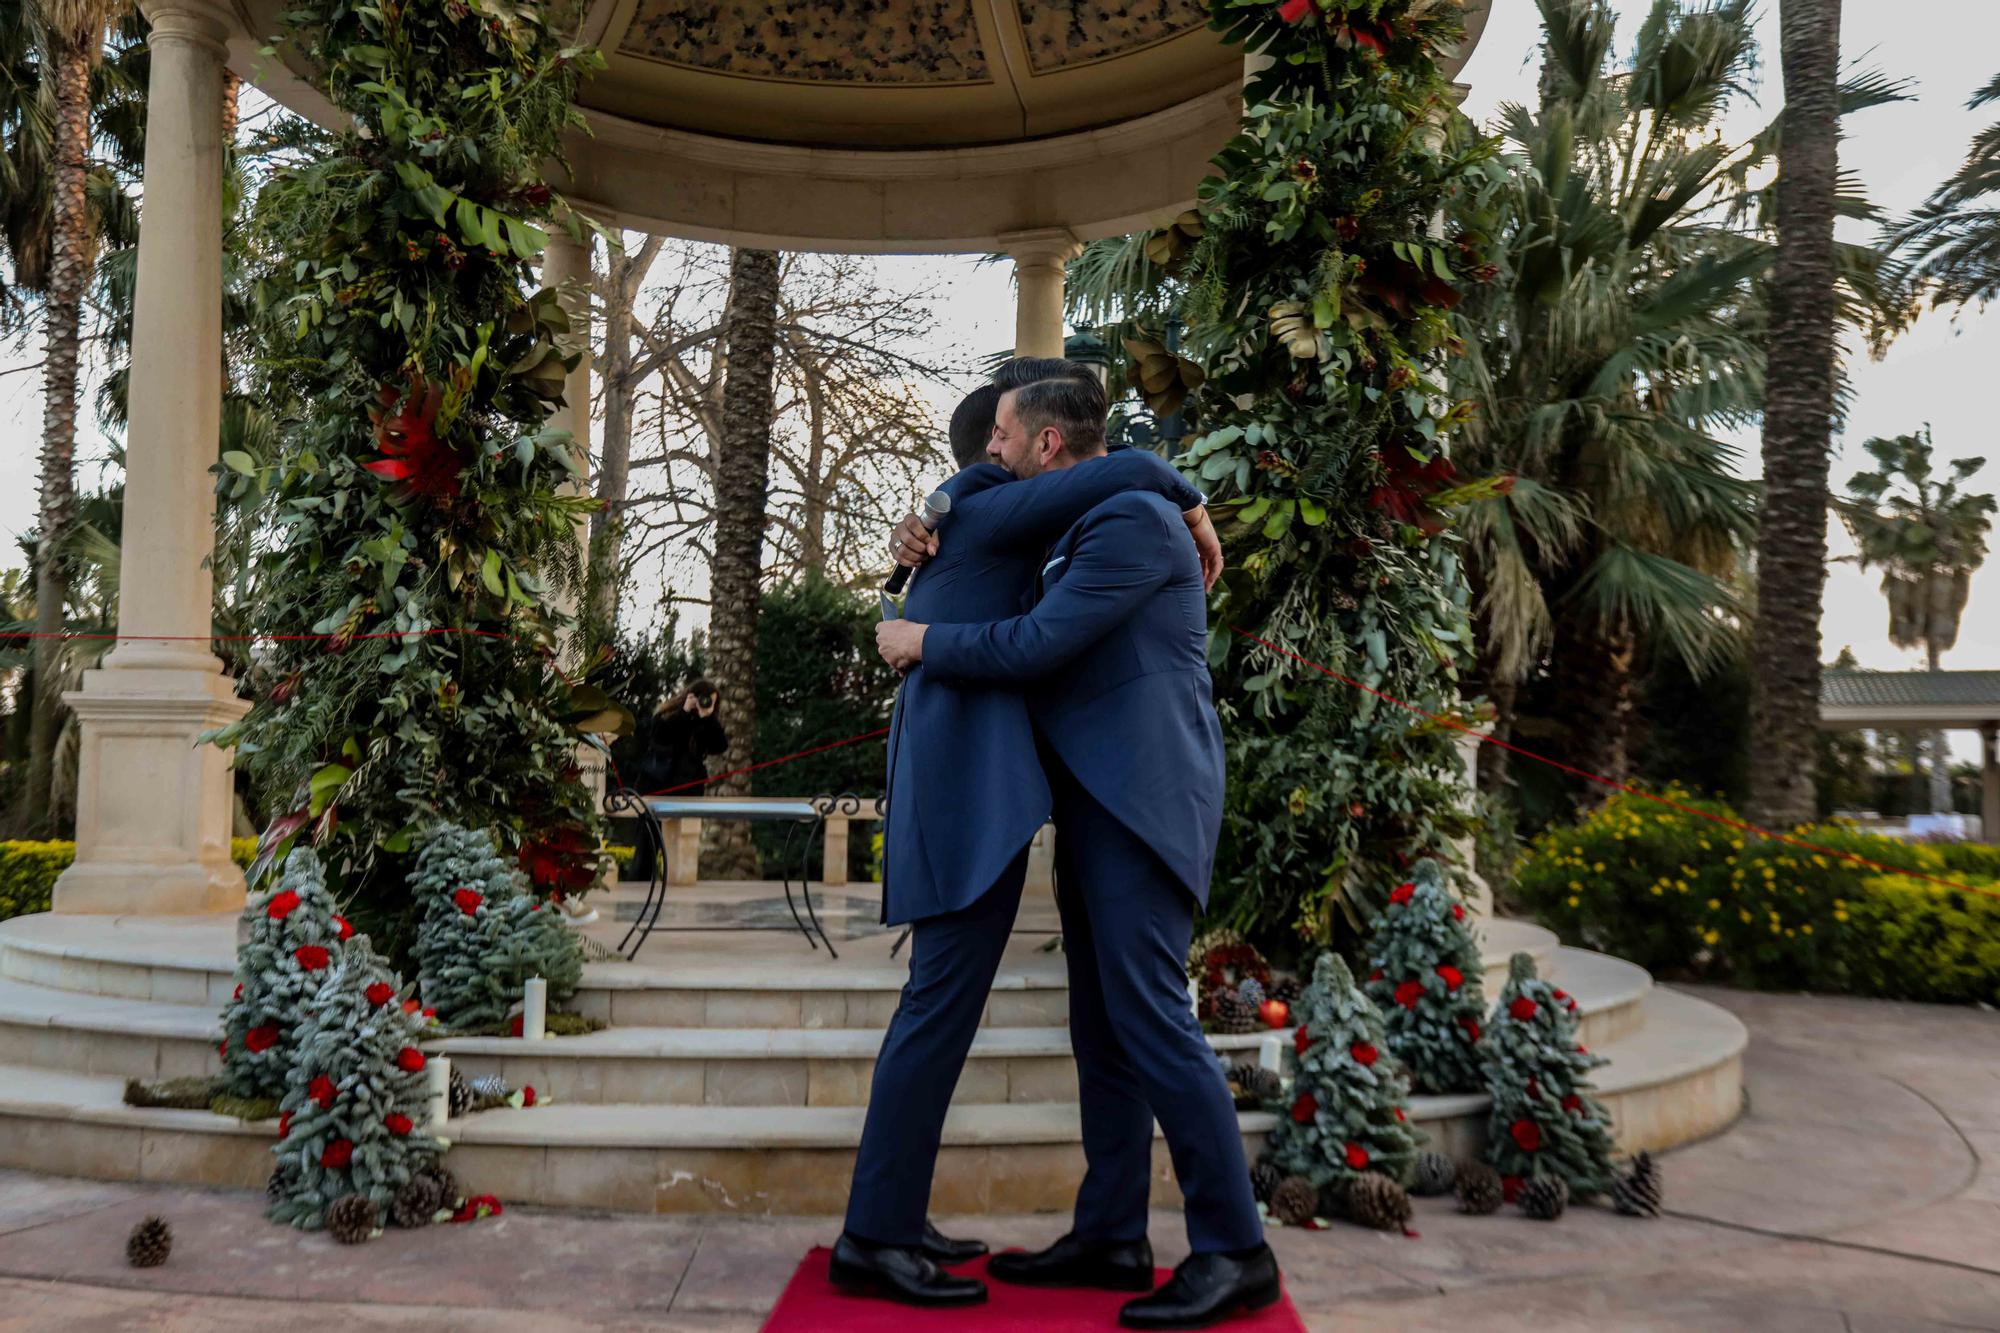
(439, 1089)
(1271, 1053)
(535, 1009)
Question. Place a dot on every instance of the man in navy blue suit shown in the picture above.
(956, 838)
(1112, 662)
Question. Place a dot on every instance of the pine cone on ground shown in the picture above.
(1637, 1193)
(1375, 1201)
(284, 1177)
(149, 1244)
(449, 1194)
(460, 1095)
(1294, 1201)
(418, 1202)
(1256, 1083)
(1227, 1013)
(350, 1219)
(1544, 1198)
(1264, 1178)
(1479, 1190)
(1436, 1174)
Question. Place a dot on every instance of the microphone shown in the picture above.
(936, 505)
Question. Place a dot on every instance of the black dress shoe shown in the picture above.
(943, 1250)
(1207, 1288)
(898, 1273)
(1119, 1265)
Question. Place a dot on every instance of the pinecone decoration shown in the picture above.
(1227, 1013)
(1544, 1198)
(1637, 1193)
(1288, 991)
(284, 1177)
(1258, 1084)
(1377, 1202)
(449, 1194)
(1264, 1178)
(350, 1219)
(150, 1243)
(418, 1202)
(460, 1095)
(1436, 1174)
(1295, 1201)
(1250, 991)
(1479, 1189)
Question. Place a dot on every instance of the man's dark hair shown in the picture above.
(972, 424)
(1022, 371)
(1074, 406)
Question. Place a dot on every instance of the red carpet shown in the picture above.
(811, 1304)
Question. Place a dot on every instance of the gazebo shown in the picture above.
(1923, 701)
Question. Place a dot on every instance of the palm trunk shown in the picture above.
(741, 493)
(1798, 413)
(614, 460)
(69, 273)
(1940, 749)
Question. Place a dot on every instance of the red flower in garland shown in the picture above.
(337, 1155)
(1357, 1156)
(1453, 978)
(311, 957)
(1402, 893)
(1527, 1135)
(1409, 993)
(261, 1038)
(398, 1124)
(1407, 486)
(1301, 1039)
(342, 929)
(1364, 1053)
(410, 1060)
(321, 1090)
(1471, 1026)
(560, 861)
(1573, 1104)
(1305, 1108)
(379, 993)
(468, 900)
(1523, 1009)
(282, 906)
(406, 431)
(1294, 11)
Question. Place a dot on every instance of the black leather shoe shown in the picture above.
(898, 1273)
(1124, 1265)
(1207, 1288)
(942, 1250)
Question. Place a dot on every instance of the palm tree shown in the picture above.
(1927, 534)
(742, 490)
(1954, 238)
(1798, 419)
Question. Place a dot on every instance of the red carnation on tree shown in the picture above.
(238, 993)
(311, 957)
(340, 926)
(1527, 1135)
(468, 900)
(282, 906)
(398, 1123)
(1400, 1115)
(1471, 1026)
(1458, 911)
(261, 1038)
(337, 1155)
(379, 993)
(1510, 1188)
(1409, 993)
(1453, 978)
(1301, 1039)
(321, 1090)
(1364, 1054)
(1573, 1104)
(516, 1026)
(1523, 1009)
(285, 1125)
(223, 1049)
(1305, 1108)
(1357, 1156)
(1376, 975)
(1402, 893)
(410, 1060)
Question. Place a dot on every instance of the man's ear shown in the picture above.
(1048, 445)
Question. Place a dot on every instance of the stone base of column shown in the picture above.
(153, 805)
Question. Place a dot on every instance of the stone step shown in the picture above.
(1677, 1078)
(672, 1065)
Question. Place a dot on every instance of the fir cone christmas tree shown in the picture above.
(1295, 1201)
(1349, 1100)
(1479, 1189)
(288, 938)
(1544, 1120)
(1424, 976)
(484, 932)
(1377, 1202)
(1637, 1193)
(356, 1098)
(149, 1244)
(351, 1219)
(1544, 1198)
(1229, 1014)
(1435, 1174)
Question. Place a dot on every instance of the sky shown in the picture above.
(1939, 372)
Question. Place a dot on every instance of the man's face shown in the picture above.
(1013, 448)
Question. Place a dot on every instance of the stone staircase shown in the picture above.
(733, 1081)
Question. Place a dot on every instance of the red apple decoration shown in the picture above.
(1275, 1013)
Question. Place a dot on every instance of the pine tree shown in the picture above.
(483, 932)
(356, 1097)
(289, 937)
(1425, 980)
(1544, 1122)
(1349, 1106)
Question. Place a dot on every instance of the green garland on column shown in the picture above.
(414, 507)
(1317, 301)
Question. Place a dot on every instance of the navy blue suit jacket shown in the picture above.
(1113, 662)
(966, 789)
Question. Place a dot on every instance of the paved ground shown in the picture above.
(1861, 1194)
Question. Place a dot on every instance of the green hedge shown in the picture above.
(1685, 897)
(28, 871)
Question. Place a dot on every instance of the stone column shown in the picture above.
(153, 805)
(1480, 899)
(1039, 257)
(1989, 783)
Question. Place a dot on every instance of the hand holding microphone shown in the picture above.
(913, 543)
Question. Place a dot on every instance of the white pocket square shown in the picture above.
(1053, 563)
